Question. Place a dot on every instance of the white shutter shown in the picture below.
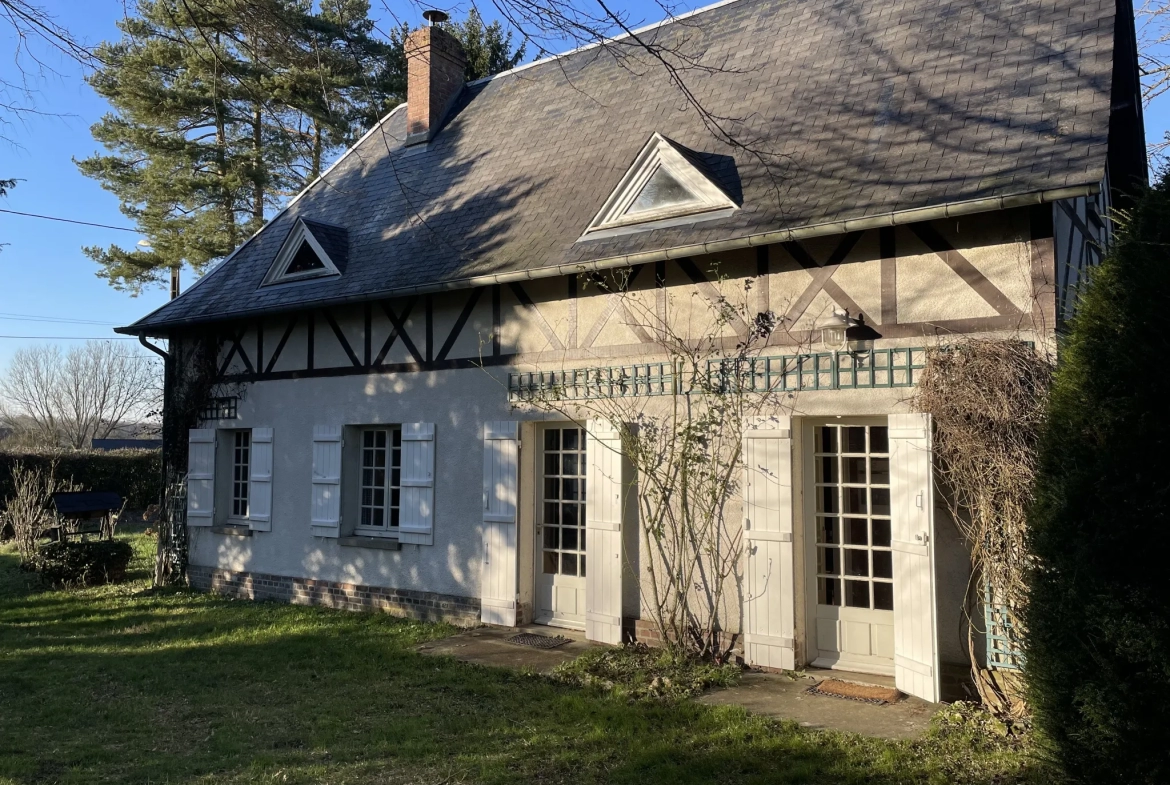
(260, 481)
(916, 670)
(325, 520)
(769, 608)
(201, 477)
(603, 525)
(501, 452)
(417, 508)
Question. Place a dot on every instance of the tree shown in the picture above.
(70, 398)
(1098, 619)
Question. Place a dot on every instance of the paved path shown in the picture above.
(771, 694)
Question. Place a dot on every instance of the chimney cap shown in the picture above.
(435, 16)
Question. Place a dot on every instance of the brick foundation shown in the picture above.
(428, 606)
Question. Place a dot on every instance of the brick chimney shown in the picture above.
(434, 76)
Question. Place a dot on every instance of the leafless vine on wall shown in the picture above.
(987, 400)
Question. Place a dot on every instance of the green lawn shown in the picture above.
(118, 684)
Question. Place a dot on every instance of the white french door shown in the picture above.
(560, 527)
(852, 573)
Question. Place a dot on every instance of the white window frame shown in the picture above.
(709, 200)
(300, 234)
(234, 480)
(391, 512)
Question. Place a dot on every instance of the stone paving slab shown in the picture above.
(486, 646)
(781, 696)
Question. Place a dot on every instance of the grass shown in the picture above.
(121, 684)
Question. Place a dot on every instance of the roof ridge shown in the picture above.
(586, 47)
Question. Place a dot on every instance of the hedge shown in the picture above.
(1098, 639)
(134, 474)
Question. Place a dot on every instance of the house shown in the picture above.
(934, 169)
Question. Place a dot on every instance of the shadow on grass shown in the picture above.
(180, 687)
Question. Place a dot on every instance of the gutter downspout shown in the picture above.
(168, 366)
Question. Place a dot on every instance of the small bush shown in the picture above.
(638, 671)
(83, 563)
(1098, 618)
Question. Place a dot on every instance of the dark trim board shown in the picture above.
(920, 329)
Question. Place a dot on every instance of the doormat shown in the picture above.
(537, 641)
(862, 693)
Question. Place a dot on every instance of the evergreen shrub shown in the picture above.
(1098, 643)
(83, 563)
(133, 474)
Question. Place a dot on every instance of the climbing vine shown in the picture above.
(987, 399)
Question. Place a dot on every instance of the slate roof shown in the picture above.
(849, 108)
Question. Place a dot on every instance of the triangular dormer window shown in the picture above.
(311, 250)
(667, 185)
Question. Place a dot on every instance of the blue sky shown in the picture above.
(43, 272)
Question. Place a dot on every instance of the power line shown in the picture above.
(28, 317)
(72, 337)
(70, 221)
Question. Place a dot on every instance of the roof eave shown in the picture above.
(895, 218)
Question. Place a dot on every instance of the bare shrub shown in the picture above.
(987, 398)
(28, 507)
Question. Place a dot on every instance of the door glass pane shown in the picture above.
(827, 531)
(550, 563)
(881, 533)
(856, 531)
(855, 500)
(855, 470)
(879, 439)
(881, 500)
(552, 439)
(879, 471)
(827, 469)
(883, 596)
(828, 440)
(829, 561)
(568, 564)
(552, 463)
(883, 564)
(854, 439)
(857, 594)
(570, 439)
(827, 499)
(569, 538)
(857, 562)
(551, 536)
(829, 591)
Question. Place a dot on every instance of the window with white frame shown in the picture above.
(380, 478)
(241, 470)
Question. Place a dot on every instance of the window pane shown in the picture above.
(827, 531)
(582, 565)
(857, 562)
(367, 438)
(856, 531)
(568, 564)
(855, 500)
(551, 509)
(883, 564)
(570, 514)
(828, 591)
(552, 488)
(551, 536)
(569, 464)
(552, 439)
(569, 539)
(857, 594)
(552, 463)
(305, 261)
(879, 471)
(855, 470)
(827, 469)
(883, 596)
(881, 534)
(570, 439)
(829, 561)
(660, 191)
(827, 499)
(828, 440)
(854, 439)
(569, 489)
(551, 561)
(879, 439)
(880, 497)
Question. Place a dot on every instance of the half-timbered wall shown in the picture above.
(981, 274)
(1082, 232)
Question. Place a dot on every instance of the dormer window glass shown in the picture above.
(667, 185)
(305, 261)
